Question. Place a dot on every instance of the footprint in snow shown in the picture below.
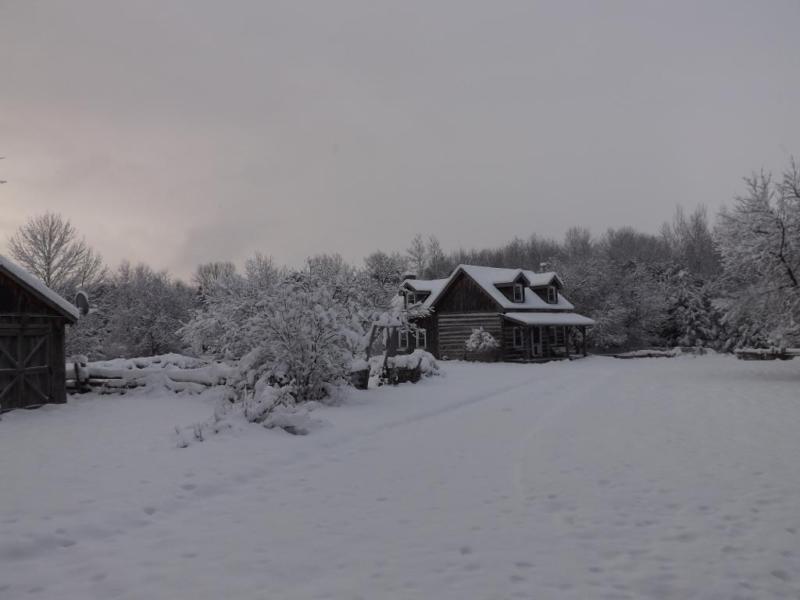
(780, 574)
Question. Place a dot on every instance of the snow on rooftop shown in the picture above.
(427, 285)
(539, 279)
(489, 277)
(434, 286)
(549, 318)
(38, 286)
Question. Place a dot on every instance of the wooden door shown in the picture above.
(25, 372)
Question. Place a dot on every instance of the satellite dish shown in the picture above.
(82, 302)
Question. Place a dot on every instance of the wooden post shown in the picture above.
(583, 339)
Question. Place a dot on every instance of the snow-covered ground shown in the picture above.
(597, 479)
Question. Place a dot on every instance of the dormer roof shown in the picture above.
(489, 279)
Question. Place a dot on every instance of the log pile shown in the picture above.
(84, 376)
(766, 353)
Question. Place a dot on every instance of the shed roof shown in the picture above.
(37, 287)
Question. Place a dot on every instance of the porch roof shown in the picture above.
(544, 318)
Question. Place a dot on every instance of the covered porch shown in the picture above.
(540, 336)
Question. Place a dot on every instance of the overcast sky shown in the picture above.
(176, 132)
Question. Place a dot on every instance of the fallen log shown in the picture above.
(766, 353)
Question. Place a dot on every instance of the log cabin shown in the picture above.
(524, 311)
(32, 327)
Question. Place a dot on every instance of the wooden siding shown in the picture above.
(429, 325)
(32, 370)
(455, 329)
(465, 296)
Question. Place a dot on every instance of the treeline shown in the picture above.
(642, 289)
(723, 281)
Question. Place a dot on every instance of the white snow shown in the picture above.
(593, 479)
(549, 318)
(489, 277)
(38, 286)
(433, 286)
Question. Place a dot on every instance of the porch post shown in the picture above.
(583, 339)
(529, 342)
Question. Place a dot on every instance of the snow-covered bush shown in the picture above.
(266, 405)
(481, 341)
(296, 340)
(296, 330)
(381, 367)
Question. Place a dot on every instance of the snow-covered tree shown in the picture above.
(691, 242)
(439, 265)
(207, 275)
(214, 326)
(297, 330)
(386, 269)
(759, 242)
(297, 340)
(146, 309)
(691, 319)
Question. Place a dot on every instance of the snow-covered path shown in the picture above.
(657, 478)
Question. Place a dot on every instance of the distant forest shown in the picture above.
(720, 281)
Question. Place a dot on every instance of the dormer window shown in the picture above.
(411, 299)
(519, 293)
(552, 295)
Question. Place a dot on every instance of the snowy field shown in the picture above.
(598, 479)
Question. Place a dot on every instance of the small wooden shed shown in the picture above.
(32, 325)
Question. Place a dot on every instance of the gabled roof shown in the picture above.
(37, 287)
(488, 278)
(432, 286)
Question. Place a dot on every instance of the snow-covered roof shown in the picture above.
(433, 286)
(488, 278)
(527, 318)
(38, 287)
(540, 279)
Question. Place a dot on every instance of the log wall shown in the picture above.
(455, 329)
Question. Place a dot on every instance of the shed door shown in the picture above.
(25, 373)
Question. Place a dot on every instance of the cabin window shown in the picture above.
(411, 299)
(519, 340)
(422, 338)
(519, 293)
(402, 342)
(552, 295)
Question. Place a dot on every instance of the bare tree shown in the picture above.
(49, 246)
(418, 255)
(210, 273)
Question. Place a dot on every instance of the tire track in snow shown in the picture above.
(119, 524)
